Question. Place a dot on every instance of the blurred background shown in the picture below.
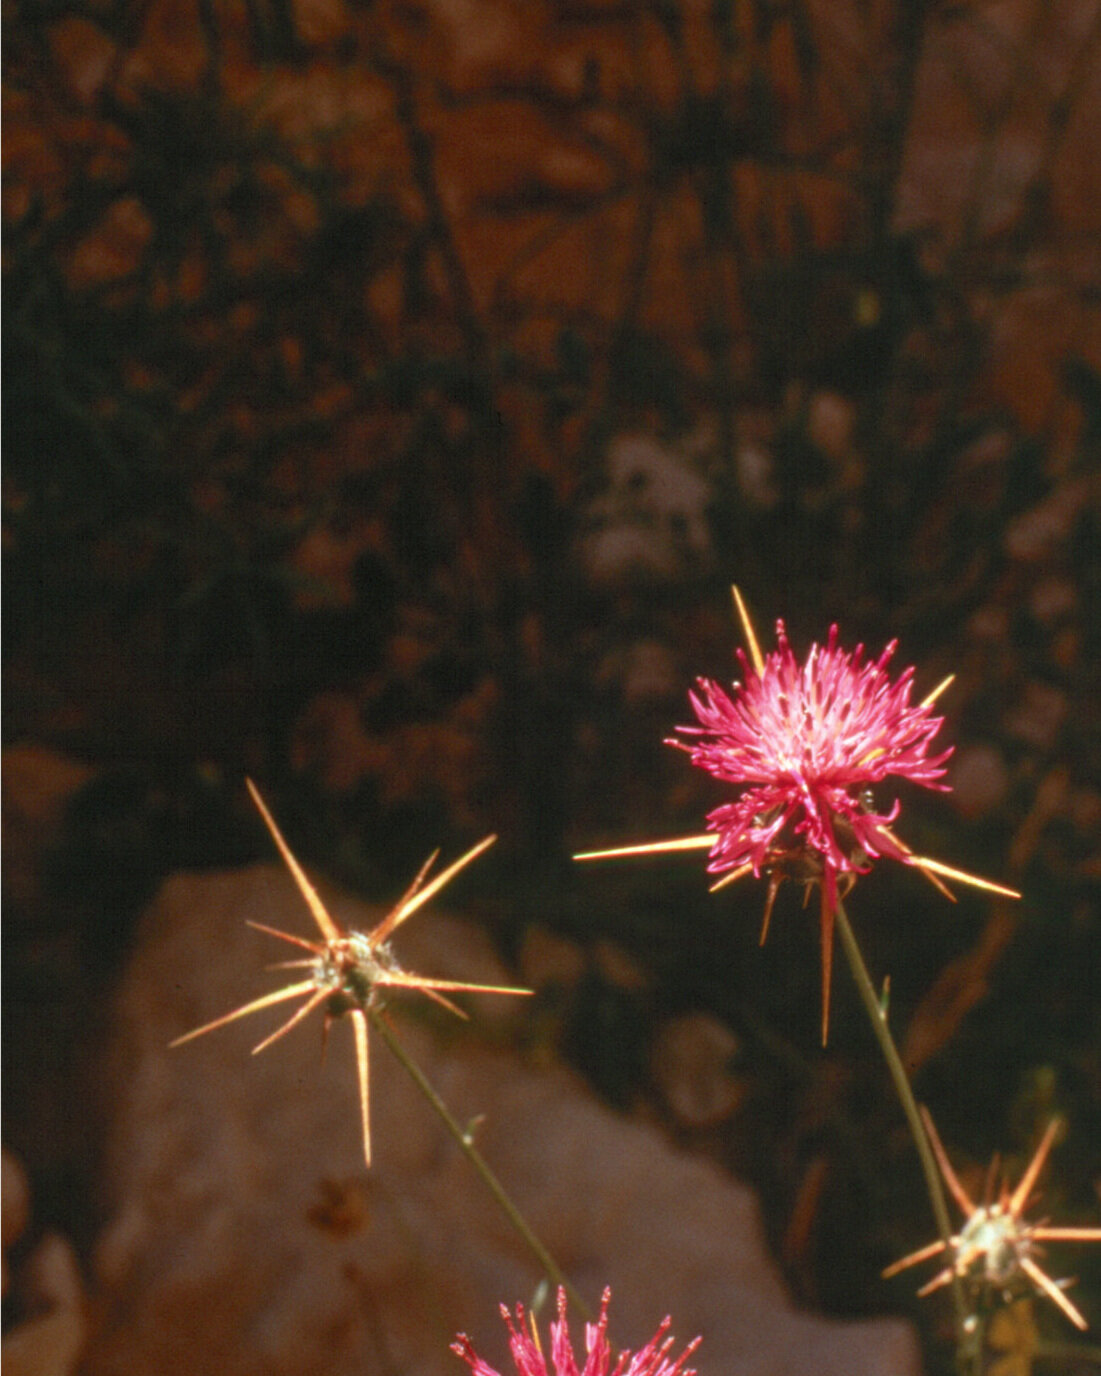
(393, 392)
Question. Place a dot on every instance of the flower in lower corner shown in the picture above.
(653, 1359)
(806, 745)
(349, 972)
(996, 1248)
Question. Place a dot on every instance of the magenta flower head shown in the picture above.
(527, 1350)
(806, 745)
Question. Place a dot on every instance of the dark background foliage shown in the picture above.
(391, 400)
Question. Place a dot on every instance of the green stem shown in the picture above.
(968, 1332)
(474, 1156)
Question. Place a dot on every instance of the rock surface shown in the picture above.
(246, 1237)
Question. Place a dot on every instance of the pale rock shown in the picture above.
(246, 1237)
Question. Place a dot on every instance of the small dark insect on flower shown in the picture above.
(805, 745)
(349, 972)
(528, 1357)
(997, 1247)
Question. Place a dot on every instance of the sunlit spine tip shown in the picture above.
(731, 877)
(941, 687)
(651, 848)
(750, 637)
(962, 877)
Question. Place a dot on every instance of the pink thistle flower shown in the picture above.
(806, 744)
(809, 743)
(527, 1351)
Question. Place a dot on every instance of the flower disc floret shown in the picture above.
(807, 742)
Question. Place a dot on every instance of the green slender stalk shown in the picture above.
(553, 1271)
(969, 1336)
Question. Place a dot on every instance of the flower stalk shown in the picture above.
(465, 1143)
